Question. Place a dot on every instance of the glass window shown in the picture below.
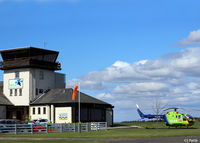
(38, 110)
(15, 92)
(40, 90)
(179, 116)
(16, 74)
(20, 92)
(36, 92)
(11, 92)
(33, 110)
(184, 118)
(44, 110)
(41, 75)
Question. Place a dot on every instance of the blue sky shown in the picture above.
(122, 51)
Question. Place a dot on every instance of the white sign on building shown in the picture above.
(63, 116)
(15, 83)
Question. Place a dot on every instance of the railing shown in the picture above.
(51, 128)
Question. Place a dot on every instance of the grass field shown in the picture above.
(151, 129)
(60, 141)
(154, 125)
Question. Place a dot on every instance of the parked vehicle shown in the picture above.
(42, 121)
(8, 125)
(9, 121)
(36, 127)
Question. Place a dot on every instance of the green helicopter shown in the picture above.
(171, 119)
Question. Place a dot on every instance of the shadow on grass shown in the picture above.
(172, 128)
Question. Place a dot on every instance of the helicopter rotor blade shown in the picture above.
(175, 108)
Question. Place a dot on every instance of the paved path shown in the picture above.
(187, 139)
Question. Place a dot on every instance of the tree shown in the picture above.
(158, 107)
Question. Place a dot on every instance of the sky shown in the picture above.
(122, 51)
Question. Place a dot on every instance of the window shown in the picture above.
(20, 92)
(36, 92)
(38, 110)
(184, 118)
(16, 74)
(179, 116)
(11, 92)
(33, 110)
(41, 75)
(15, 92)
(40, 90)
(44, 110)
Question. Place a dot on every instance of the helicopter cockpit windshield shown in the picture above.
(189, 117)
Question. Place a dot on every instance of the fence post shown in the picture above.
(79, 127)
(106, 125)
(86, 127)
(15, 128)
(46, 128)
(74, 127)
(61, 128)
(31, 128)
(89, 126)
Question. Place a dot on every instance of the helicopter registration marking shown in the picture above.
(173, 121)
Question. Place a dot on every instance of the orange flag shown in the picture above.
(74, 92)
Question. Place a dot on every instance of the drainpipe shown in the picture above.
(52, 114)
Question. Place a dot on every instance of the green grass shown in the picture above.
(154, 125)
(151, 129)
(117, 133)
(60, 141)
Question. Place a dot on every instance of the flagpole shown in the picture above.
(79, 104)
(79, 109)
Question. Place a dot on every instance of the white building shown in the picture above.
(32, 89)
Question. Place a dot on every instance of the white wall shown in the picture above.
(41, 115)
(61, 112)
(31, 81)
(47, 83)
(17, 100)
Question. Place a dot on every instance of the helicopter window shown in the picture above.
(179, 116)
(184, 118)
(189, 117)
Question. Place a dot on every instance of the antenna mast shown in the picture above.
(45, 43)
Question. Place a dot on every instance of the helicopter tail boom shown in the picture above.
(149, 116)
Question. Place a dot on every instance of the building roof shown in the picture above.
(3, 99)
(29, 57)
(55, 96)
(28, 52)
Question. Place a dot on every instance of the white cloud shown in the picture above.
(105, 96)
(141, 87)
(186, 61)
(193, 38)
(174, 79)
